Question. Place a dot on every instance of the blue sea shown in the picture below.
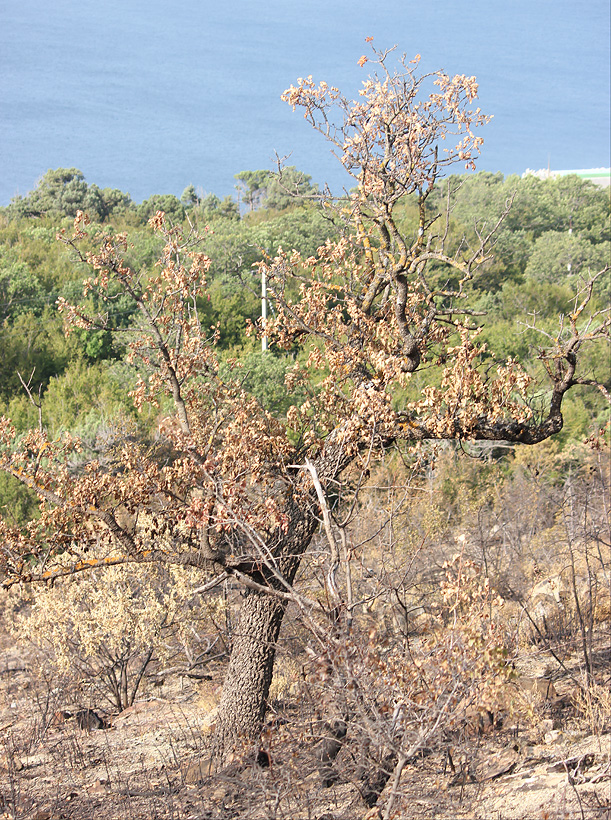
(151, 96)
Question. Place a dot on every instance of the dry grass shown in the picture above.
(142, 765)
(495, 598)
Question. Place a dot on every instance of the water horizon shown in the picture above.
(151, 99)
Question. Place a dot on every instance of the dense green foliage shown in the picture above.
(274, 190)
(556, 233)
(64, 191)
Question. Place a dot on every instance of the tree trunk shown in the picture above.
(249, 675)
(244, 698)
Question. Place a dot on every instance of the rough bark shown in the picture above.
(249, 675)
(244, 698)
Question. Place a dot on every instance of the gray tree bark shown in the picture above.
(244, 699)
(249, 675)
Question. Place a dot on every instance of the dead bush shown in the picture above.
(110, 628)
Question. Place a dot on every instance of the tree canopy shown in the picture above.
(277, 191)
(64, 191)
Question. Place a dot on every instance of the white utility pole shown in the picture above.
(264, 310)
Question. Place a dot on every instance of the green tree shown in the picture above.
(31, 344)
(167, 203)
(288, 186)
(105, 203)
(303, 227)
(213, 207)
(562, 256)
(85, 400)
(18, 504)
(252, 187)
(576, 204)
(189, 197)
(63, 192)
(264, 377)
(274, 190)
(20, 289)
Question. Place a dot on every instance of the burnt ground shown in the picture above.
(150, 761)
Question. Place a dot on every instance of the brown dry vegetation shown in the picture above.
(467, 677)
(445, 646)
